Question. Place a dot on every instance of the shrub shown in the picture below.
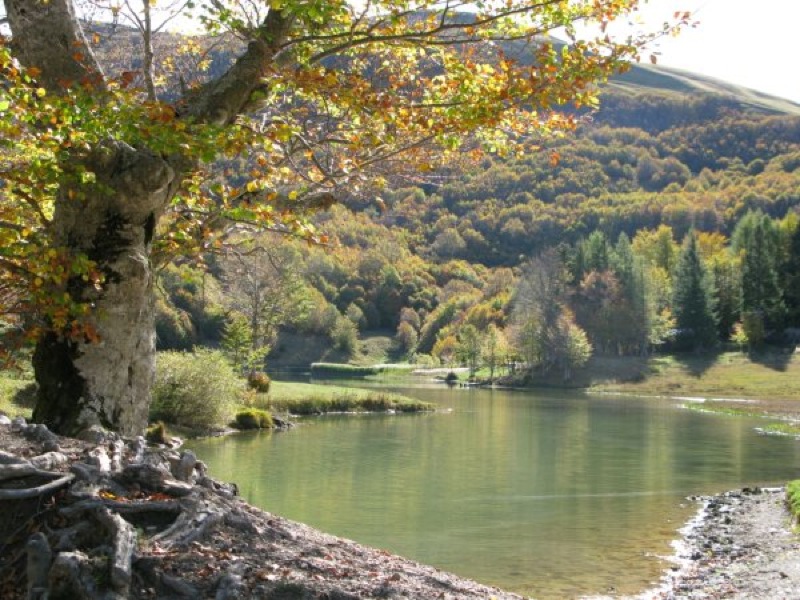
(259, 381)
(194, 389)
(406, 337)
(345, 336)
(253, 418)
(174, 328)
(156, 433)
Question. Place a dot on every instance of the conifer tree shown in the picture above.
(756, 239)
(693, 301)
(628, 269)
(791, 279)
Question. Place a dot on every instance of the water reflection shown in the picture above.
(549, 495)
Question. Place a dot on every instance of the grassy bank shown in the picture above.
(793, 499)
(774, 377)
(312, 399)
(13, 399)
(283, 397)
(342, 370)
(731, 383)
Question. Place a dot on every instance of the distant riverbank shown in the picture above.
(733, 383)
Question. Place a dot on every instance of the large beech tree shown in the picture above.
(100, 182)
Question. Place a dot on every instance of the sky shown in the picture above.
(755, 44)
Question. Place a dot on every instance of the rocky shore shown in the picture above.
(741, 545)
(108, 518)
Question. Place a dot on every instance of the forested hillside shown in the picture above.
(677, 198)
(446, 266)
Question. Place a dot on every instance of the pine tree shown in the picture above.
(596, 252)
(756, 238)
(791, 279)
(692, 299)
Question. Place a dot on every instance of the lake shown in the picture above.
(549, 494)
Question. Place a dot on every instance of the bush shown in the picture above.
(253, 418)
(259, 381)
(406, 337)
(174, 328)
(194, 389)
(425, 361)
(345, 336)
(156, 433)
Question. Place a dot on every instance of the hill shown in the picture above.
(204, 56)
(669, 152)
(649, 78)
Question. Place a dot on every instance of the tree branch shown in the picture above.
(48, 36)
(366, 36)
(221, 101)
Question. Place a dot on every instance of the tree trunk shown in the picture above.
(84, 383)
(113, 222)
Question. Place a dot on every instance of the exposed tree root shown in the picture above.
(134, 523)
(39, 490)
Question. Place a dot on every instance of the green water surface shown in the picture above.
(550, 495)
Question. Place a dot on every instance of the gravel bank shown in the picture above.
(739, 546)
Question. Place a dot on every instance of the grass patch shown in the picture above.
(791, 428)
(708, 407)
(782, 428)
(793, 499)
(323, 370)
(313, 399)
(16, 394)
(253, 418)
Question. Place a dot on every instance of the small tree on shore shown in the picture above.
(469, 349)
(495, 349)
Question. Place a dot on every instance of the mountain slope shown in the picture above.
(656, 78)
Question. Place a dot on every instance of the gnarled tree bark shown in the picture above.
(108, 382)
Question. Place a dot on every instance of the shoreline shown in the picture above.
(739, 544)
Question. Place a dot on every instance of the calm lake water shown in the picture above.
(548, 494)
